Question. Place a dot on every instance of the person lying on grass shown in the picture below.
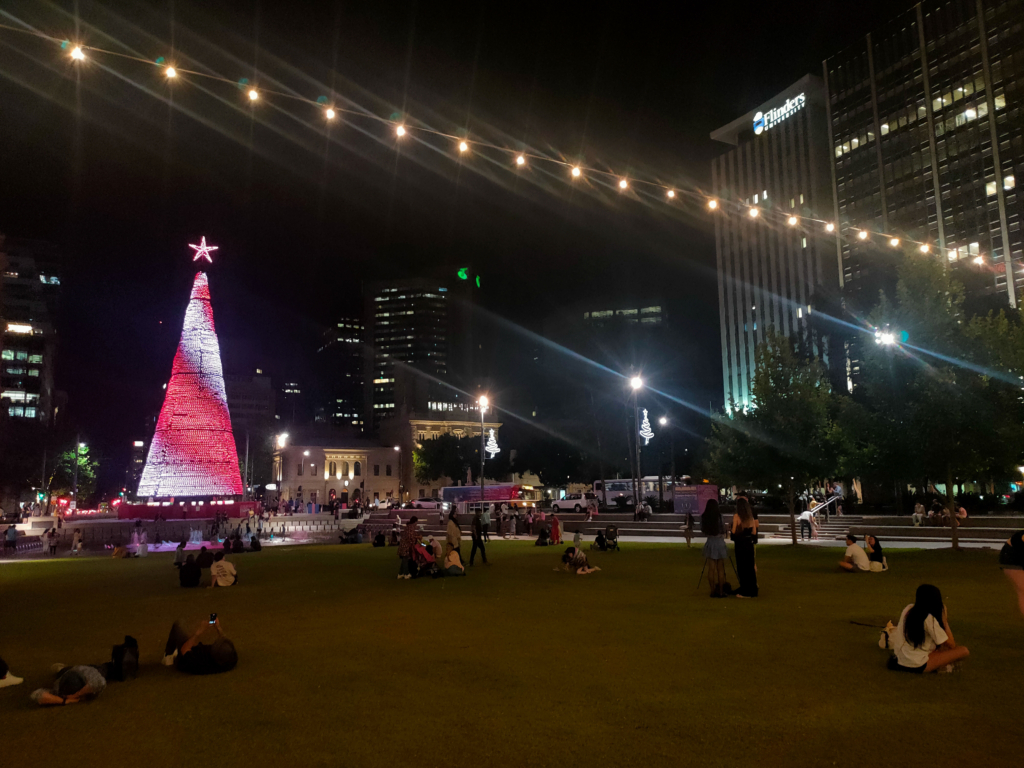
(855, 559)
(73, 684)
(922, 641)
(575, 559)
(188, 655)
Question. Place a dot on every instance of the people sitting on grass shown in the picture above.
(543, 538)
(575, 560)
(876, 559)
(237, 545)
(410, 538)
(600, 542)
(226, 544)
(6, 678)
(222, 573)
(189, 655)
(73, 685)
(204, 559)
(254, 544)
(1011, 562)
(190, 574)
(379, 540)
(923, 641)
(453, 563)
(855, 559)
(179, 555)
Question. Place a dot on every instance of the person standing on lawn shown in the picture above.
(486, 522)
(744, 536)
(453, 534)
(1011, 562)
(409, 539)
(714, 551)
(477, 530)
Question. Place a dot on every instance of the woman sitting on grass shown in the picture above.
(923, 641)
(575, 559)
(876, 559)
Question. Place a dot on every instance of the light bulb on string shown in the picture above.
(830, 227)
(792, 220)
(171, 73)
(576, 172)
(753, 212)
(924, 248)
(253, 95)
(330, 114)
(623, 184)
(712, 204)
(863, 234)
(463, 146)
(520, 161)
(400, 131)
(894, 242)
(77, 53)
(670, 194)
(979, 260)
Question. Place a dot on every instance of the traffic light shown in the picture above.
(463, 273)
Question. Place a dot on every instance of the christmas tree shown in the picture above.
(193, 450)
(645, 429)
(492, 445)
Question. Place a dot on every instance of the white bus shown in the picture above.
(623, 487)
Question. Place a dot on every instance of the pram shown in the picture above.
(611, 537)
(423, 560)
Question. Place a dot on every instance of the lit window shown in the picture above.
(14, 395)
(756, 199)
(33, 371)
(312, 470)
(885, 128)
(15, 410)
(801, 198)
(990, 188)
(7, 354)
(803, 243)
(1009, 182)
(30, 413)
(1000, 102)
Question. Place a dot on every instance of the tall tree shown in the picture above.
(62, 473)
(788, 436)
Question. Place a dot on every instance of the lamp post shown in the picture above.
(663, 421)
(484, 402)
(74, 483)
(401, 496)
(636, 383)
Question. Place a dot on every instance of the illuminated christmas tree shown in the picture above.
(645, 429)
(193, 450)
(492, 445)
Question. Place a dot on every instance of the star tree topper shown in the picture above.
(203, 250)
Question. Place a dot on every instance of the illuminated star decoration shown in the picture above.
(203, 250)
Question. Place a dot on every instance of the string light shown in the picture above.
(77, 53)
(979, 260)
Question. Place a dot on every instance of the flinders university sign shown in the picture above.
(765, 120)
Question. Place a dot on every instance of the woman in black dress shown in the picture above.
(744, 536)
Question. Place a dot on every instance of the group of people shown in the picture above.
(85, 682)
(857, 559)
(743, 531)
(191, 567)
(936, 515)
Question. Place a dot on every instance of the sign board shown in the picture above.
(765, 120)
(693, 498)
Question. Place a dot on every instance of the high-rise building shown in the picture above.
(408, 324)
(29, 295)
(250, 403)
(136, 463)
(341, 360)
(772, 267)
(925, 128)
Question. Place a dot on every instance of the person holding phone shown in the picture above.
(922, 641)
(187, 654)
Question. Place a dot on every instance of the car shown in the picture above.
(424, 504)
(574, 502)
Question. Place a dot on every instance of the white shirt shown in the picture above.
(906, 653)
(807, 515)
(859, 558)
(224, 573)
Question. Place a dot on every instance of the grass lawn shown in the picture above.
(341, 664)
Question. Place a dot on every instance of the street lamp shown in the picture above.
(401, 496)
(74, 484)
(484, 402)
(282, 440)
(636, 383)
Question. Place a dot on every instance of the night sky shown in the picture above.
(123, 171)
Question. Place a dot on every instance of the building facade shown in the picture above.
(28, 311)
(771, 275)
(250, 402)
(319, 470)
(342, 359)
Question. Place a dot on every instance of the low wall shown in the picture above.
(184, 510)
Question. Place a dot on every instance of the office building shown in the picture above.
(29, 296)
(772, 266)
(250, 403)
(320, 468)
(925, 127)
(341, 359)
(136, 463)
(408, 325)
